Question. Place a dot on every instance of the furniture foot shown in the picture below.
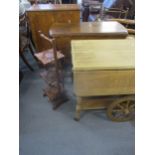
(59, 101)
(77, 115)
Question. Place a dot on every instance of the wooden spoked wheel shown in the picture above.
(122, 109)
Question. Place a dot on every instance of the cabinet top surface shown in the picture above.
(109, 28)
(53, 7)
(103, 54)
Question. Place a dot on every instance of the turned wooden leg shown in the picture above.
(77, 115)
(78, 110)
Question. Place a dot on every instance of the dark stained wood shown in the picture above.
(47, 56)
(54, 7)
(50, 59)
(89, 29)
(43, 16)
(64, 33)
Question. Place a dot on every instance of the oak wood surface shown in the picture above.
(87, 103)
(103, 67)
(104, 82)
(103, 54)
(91, 103)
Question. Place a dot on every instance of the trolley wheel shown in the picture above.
(122, 109)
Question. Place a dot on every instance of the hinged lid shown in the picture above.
(103, 54)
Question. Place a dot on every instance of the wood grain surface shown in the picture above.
(104, 82)
(103, 67)
(110, 28)
(64, 33)
(103, 54)
(43, 16)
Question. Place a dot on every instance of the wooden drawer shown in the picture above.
(66, 16)
(104, 82)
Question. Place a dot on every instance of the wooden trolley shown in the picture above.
(104, 76)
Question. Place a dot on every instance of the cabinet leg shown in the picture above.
(78, 110)
(77, 115)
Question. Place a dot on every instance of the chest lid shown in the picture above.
(103, 54)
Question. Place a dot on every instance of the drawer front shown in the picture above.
(108, 82)
(66, 16)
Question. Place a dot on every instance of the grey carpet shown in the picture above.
(47, 132)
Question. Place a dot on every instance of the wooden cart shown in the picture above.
(104, 76)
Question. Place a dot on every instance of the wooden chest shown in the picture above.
(104, 70)
(43, 16)
(103, 67)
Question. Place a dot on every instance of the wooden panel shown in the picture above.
(87, 103)
(43, 16)
(103, 29)
(108, 82)
(66, 17)
(40, 21)
(64, 42)
(103, 54)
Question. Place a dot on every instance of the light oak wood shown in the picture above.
(103, 54)
(89, 103)
(109, 82)
(102, 68)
